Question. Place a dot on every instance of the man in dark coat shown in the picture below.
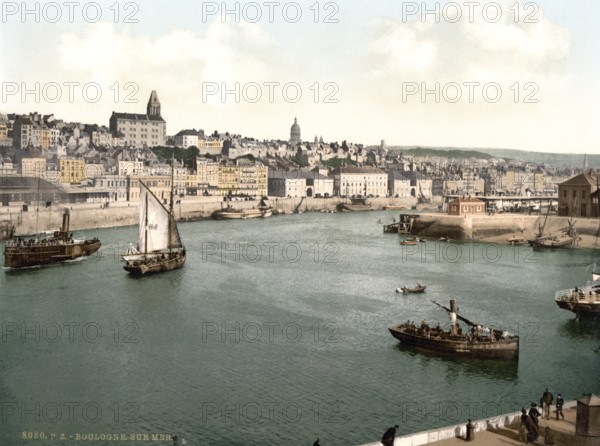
(547, 398)
(388, 437)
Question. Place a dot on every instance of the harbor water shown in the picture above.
(275, 332)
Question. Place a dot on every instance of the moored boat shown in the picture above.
(584, 301)
(480, 342)
(347, 207)
(232, 213)
(59, 248)
(408, 242)
(563, 238)
(516, 240)
(357, 204)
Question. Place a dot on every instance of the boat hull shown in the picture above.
(583, 309)
(343, 207)
(417, 290)
(38, 254)
(551, 244)
(242, 214)
(501, 349)
(155, 265)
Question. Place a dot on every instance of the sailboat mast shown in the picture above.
(146, 227)
(171, 204)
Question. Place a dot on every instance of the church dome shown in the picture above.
(295, 127)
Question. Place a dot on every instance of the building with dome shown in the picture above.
(295, 137)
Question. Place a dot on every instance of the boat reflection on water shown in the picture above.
(584, 329)
(503, 370)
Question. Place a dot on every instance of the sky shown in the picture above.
(463, 74)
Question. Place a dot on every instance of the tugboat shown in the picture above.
(60, 248)
(481, 342)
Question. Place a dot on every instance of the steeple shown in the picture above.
(153, 108)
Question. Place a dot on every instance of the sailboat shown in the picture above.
(565, 237)
(358, 204)
(159, 245)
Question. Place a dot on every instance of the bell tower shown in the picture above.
(153, 108)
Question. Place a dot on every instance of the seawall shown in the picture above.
(94, 215)
(460, 430)
(498, 228)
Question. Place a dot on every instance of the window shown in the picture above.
(574, 194)
(582, 194)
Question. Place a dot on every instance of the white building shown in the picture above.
(299, 184)
(187, 138)
(360, 181)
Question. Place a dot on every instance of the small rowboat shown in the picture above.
(418, 289)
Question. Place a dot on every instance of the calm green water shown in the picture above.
(282, 341)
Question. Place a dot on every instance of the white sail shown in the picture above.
(175, 239)
(153, 224)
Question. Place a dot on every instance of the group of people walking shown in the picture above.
(530, 428)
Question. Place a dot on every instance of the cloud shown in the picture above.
(226, 51)
(427, 50)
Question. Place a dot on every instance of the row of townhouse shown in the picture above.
(249, 178)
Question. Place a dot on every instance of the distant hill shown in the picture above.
(555, 159)
(443, 152)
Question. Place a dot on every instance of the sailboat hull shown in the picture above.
(156, 264)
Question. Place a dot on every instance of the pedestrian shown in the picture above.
(559, 406)
(523, 427)
(534, 414)
(549, 437)
(547, 398)
(530, 427)
(389, 435)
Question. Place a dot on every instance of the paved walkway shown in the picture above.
(564, 433)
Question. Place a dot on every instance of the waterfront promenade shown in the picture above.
(498, 431)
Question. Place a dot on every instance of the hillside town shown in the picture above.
(87, 163)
